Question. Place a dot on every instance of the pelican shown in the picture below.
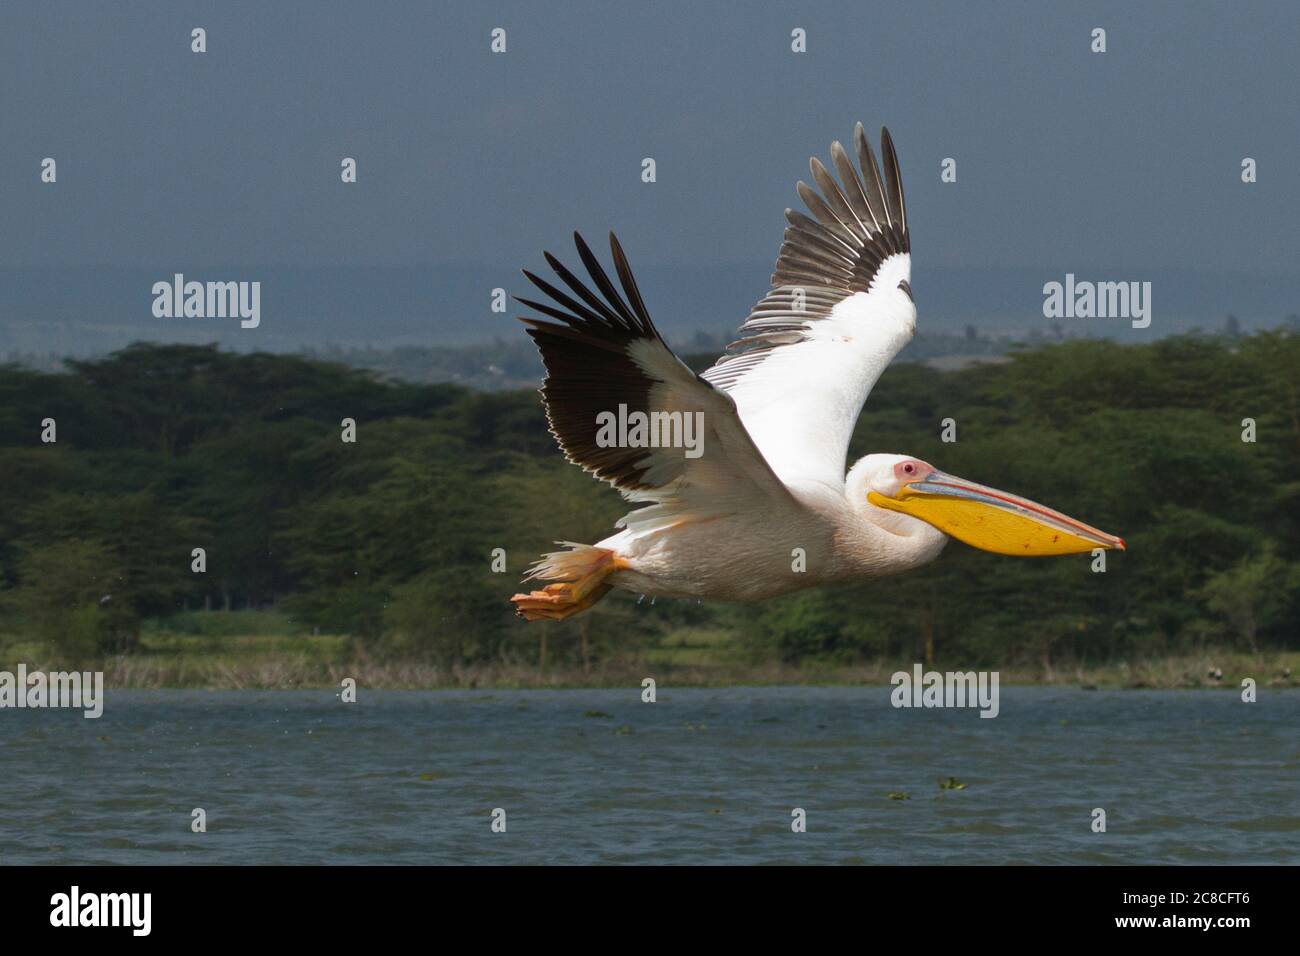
(739, 472)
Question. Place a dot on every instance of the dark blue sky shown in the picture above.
(1122, 165)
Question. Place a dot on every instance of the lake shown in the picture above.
(700, 776)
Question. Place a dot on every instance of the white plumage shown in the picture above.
(766, 507)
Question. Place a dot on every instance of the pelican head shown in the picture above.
(980, 516)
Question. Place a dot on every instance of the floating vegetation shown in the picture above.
(595, 713)
(899, 795)
(951, 784)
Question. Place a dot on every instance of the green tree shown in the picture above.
(1253, 596)
(69, 596)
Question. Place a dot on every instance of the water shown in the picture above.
(700, 776)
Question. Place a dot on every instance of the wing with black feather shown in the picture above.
(604, 357)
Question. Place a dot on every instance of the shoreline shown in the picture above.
(276, 672)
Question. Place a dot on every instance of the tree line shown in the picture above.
(162, 449)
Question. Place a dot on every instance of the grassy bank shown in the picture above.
(252, 650)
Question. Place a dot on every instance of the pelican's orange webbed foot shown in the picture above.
(585, 584)
(555, 602)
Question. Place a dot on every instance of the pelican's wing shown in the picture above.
(840, 309)
(605, 366)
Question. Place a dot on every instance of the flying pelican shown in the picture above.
(741, 470)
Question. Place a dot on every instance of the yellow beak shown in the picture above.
(993, 520)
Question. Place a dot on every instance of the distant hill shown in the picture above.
(92, 310)
(514, 363)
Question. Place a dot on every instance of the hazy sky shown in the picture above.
(1066, 159)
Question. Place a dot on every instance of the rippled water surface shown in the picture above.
(699, 776)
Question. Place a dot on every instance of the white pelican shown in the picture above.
(755, 501)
